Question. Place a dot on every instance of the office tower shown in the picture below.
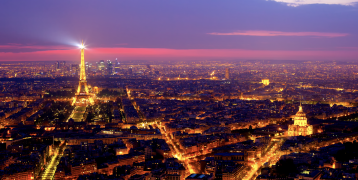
(57, 65)
(130, 71)
(87, 67)
(109, 67)
(100, 65)
(116, 68)
(62, 65)
(74, 69)
(227, 73)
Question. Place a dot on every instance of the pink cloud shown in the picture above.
(280, 33)
(349, 48)
(95, 54)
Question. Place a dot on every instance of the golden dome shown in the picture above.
(300, 113)
(300, 117)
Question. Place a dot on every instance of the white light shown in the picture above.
(82, 46)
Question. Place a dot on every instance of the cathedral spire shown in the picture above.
(300, 107)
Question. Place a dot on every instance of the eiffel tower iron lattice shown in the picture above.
(83, 96)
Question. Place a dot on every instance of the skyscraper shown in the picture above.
(87, 67)
(101, 65)
(130, 71)
(62, 65)
(109, 67)
(227, 73)
(57, 65)
(74, 69)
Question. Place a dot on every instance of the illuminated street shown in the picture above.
(271, 155)
(51, 167)
(175, 152)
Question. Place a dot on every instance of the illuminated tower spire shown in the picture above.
(83, 94)
(82, 88)
(83, 66)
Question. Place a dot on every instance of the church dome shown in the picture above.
(300, 117)
(300, 126)
(300, 114)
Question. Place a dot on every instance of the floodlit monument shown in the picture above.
(300, 126)
(83, 97)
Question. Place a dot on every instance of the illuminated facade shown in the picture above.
(227, 73)
(300, 126)
(266, 82)
(83, 96)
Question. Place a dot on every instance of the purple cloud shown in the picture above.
(280, 33)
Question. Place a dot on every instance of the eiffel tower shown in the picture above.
(83, 97)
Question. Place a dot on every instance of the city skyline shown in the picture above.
(179, 90)
(185, 30)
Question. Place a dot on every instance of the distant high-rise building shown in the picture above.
(227, 73)
(74, 69)
(63, 65)
(57, 65)
(87, 67)
(109, 67)
(130, 70)
(100, 65)
(117, 69)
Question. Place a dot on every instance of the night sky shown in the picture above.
(38, 30)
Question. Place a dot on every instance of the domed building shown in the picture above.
(300, 126)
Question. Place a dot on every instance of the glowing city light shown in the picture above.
(232, 116)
